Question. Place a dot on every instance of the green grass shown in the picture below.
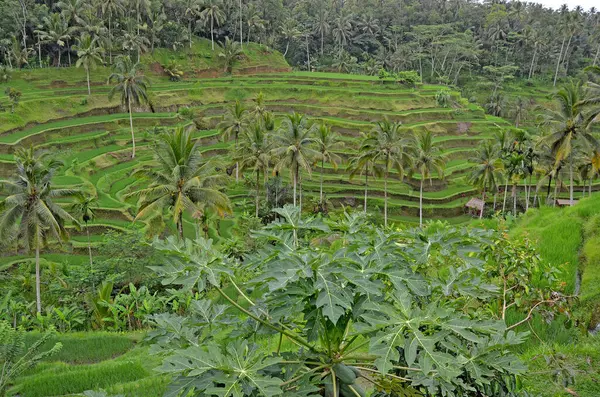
(582, 357)
(86, 347)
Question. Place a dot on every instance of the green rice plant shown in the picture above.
(63, 379)
(86, 347)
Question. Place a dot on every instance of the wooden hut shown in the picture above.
(475, 206)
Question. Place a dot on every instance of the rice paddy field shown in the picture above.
(90, 134)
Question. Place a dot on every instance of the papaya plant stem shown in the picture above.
(265, 323)
(379, 372)
(279, 344)
(345, 346)
(353, 391)
(394, 366)
(240, 291)
(287, 382)
(334, 383)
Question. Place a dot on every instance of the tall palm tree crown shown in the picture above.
(487, 169)
(327, 142)
(89, 54)
(386, 146)
(293, 147)
(254, 153)
(29, 213)
(181, 181)
(426, 157)
(132, 88)
(569, 124)
(234, 122)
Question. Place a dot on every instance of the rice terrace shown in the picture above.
(299, 198)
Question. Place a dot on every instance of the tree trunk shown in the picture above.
(39, 51)
(180, 225)
(558, 62)
(597, 54)
(571, 179)
(109, 38)
(323, 39)
(212, 33)
(300, 190)
(190, 32)
(87, 231)
(526, 195)
(555, 192)
(307, 54)
(421, 203)
(38, 290)
(482, 204)
(287, 47)
(385, 197)
(87, 72)
(131, 126)
(69, 53)
(59, 56)
(590, 191)
(295, 184)
(257, 190)
(241, 26)
(514, 196)
(366, 187)
(505, 193)
(237, 163)
(321, 188)
(495, 198)
(532, 61)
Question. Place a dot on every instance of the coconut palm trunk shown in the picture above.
(571, 179)
(180, 225)
(131, 126)
(87, 231)
(212, 32)
(555, 192)
(482, 204)
(495, 198)
(295, 184)
(421, 204)
(38, 289)
(505, 194)
(321, 188)
(366, 188)
(257, 190)
(558, 62)
(385, 197)
(514, 197)
(87, 72)
(241, 26)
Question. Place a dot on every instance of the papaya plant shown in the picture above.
(337, 308)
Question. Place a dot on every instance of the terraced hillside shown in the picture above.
(91, 136)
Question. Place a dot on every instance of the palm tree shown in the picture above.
(29, 213)
(135, 43)
(322, 25)
(211, 11)
(57, 32)
(89, 54)
(111, 7)
(254, 153)
(233, 123)
(426, 157)
(590, 166)
(487, 170)
(84, 209)
(292, 146)
(569, 125)
(131, 86)
(180, 180)
(362, 163)
(327, 142)
(290, 32)
(341, 30)
(385, 144)
(231, 51)
(192, 9)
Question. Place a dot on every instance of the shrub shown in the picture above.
(408, 78)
